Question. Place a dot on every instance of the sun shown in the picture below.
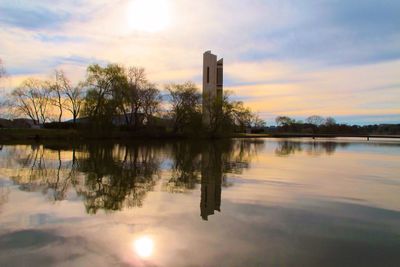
(148, 15)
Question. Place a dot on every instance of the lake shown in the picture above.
(243, 202)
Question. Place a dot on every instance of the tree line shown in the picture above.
(316, 124)
(116, 95)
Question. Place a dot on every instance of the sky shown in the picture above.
(281, 57)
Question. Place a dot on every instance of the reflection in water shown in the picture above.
(315, 148)
(207, 163)
(336, 210)
(111, 177)
(4, 192)
(143, 246)
(117, 176)
(211, 180)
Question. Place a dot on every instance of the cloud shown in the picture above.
(30, 15)
(282, 57)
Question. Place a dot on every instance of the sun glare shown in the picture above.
(143, 247)
(148, 15)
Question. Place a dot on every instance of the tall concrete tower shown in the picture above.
(213, 76)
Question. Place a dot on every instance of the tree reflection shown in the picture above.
(111, 177)
(186, 166)
(111, 182)
(316, 148)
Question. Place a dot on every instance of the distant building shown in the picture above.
(212, 85)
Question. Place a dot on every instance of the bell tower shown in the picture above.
(213, 76)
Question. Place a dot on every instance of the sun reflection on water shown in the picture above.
(143, 246)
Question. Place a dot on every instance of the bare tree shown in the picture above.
(257, 122)
(330, 121)
(72, 96)
(32, 99)
(151, 101)
(136, 81)
(56, 91)
(315, 120)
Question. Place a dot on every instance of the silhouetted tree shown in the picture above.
(102, 98)
(56, 92)
(151, 101)
(185, 106)
(32, 99)
(315, 120)
(226, 116)
(133, 98)
(284, 121)
(329, 121)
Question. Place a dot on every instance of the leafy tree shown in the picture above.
(237, 114)
(103, 92)
(185, 106)
(227, 116)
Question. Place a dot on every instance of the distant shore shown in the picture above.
(302, 135)
(77, 135)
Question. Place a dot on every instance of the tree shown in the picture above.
(32, 99)
(103, 94)
(72, 95)
(141, 97)
(330, 121)
(185, 105)
(284, 121)
(238, 114)
(151, 101)
(128, 96)
(226, 116)
(56, 92)
(257, 122)
(315, 120)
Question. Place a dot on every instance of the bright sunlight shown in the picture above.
(143, 247)
(149, 15)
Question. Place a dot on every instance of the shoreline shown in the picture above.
(10, 135)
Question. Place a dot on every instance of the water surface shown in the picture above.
(264, 202)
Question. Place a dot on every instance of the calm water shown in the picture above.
(227, 203)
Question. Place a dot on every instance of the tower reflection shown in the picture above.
(211, 180)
